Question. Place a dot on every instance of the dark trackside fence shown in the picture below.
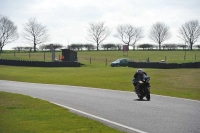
(158, 65)
(39, 63)
(161, 65)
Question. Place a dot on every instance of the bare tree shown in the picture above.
(8, 31)
(35, 32)
(138, 36)
(190, 32)
(127, 33)
(159, 33)
(98, 32)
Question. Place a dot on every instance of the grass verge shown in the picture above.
(182, 83)
(23, 114)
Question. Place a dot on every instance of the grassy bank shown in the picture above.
(23, 114)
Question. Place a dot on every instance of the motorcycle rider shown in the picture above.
(139, 75)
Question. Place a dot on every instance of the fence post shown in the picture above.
(148, 59)
(44, 55)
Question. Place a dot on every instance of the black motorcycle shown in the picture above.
(142, 88)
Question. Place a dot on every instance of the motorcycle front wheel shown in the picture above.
(140, 97)
(148, 94)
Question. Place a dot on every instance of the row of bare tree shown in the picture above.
(33, 32)
(159, 32)
(112, 46)
(107, 46)
(43, 47)
(36, 33)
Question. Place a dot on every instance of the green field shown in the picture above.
(182, 83)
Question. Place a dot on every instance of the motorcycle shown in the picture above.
(142, 88)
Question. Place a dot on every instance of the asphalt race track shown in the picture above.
(118, 109)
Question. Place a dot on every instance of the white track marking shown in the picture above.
(102, 119)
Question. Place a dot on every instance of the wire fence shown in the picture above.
(47, 56)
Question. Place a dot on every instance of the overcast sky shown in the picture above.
(67, 20)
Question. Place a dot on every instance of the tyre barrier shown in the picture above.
(39, 63)
(161, 65)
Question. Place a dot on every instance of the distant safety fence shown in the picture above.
(161, 65)
(39, 63)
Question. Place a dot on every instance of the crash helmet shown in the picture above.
(139, 71)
